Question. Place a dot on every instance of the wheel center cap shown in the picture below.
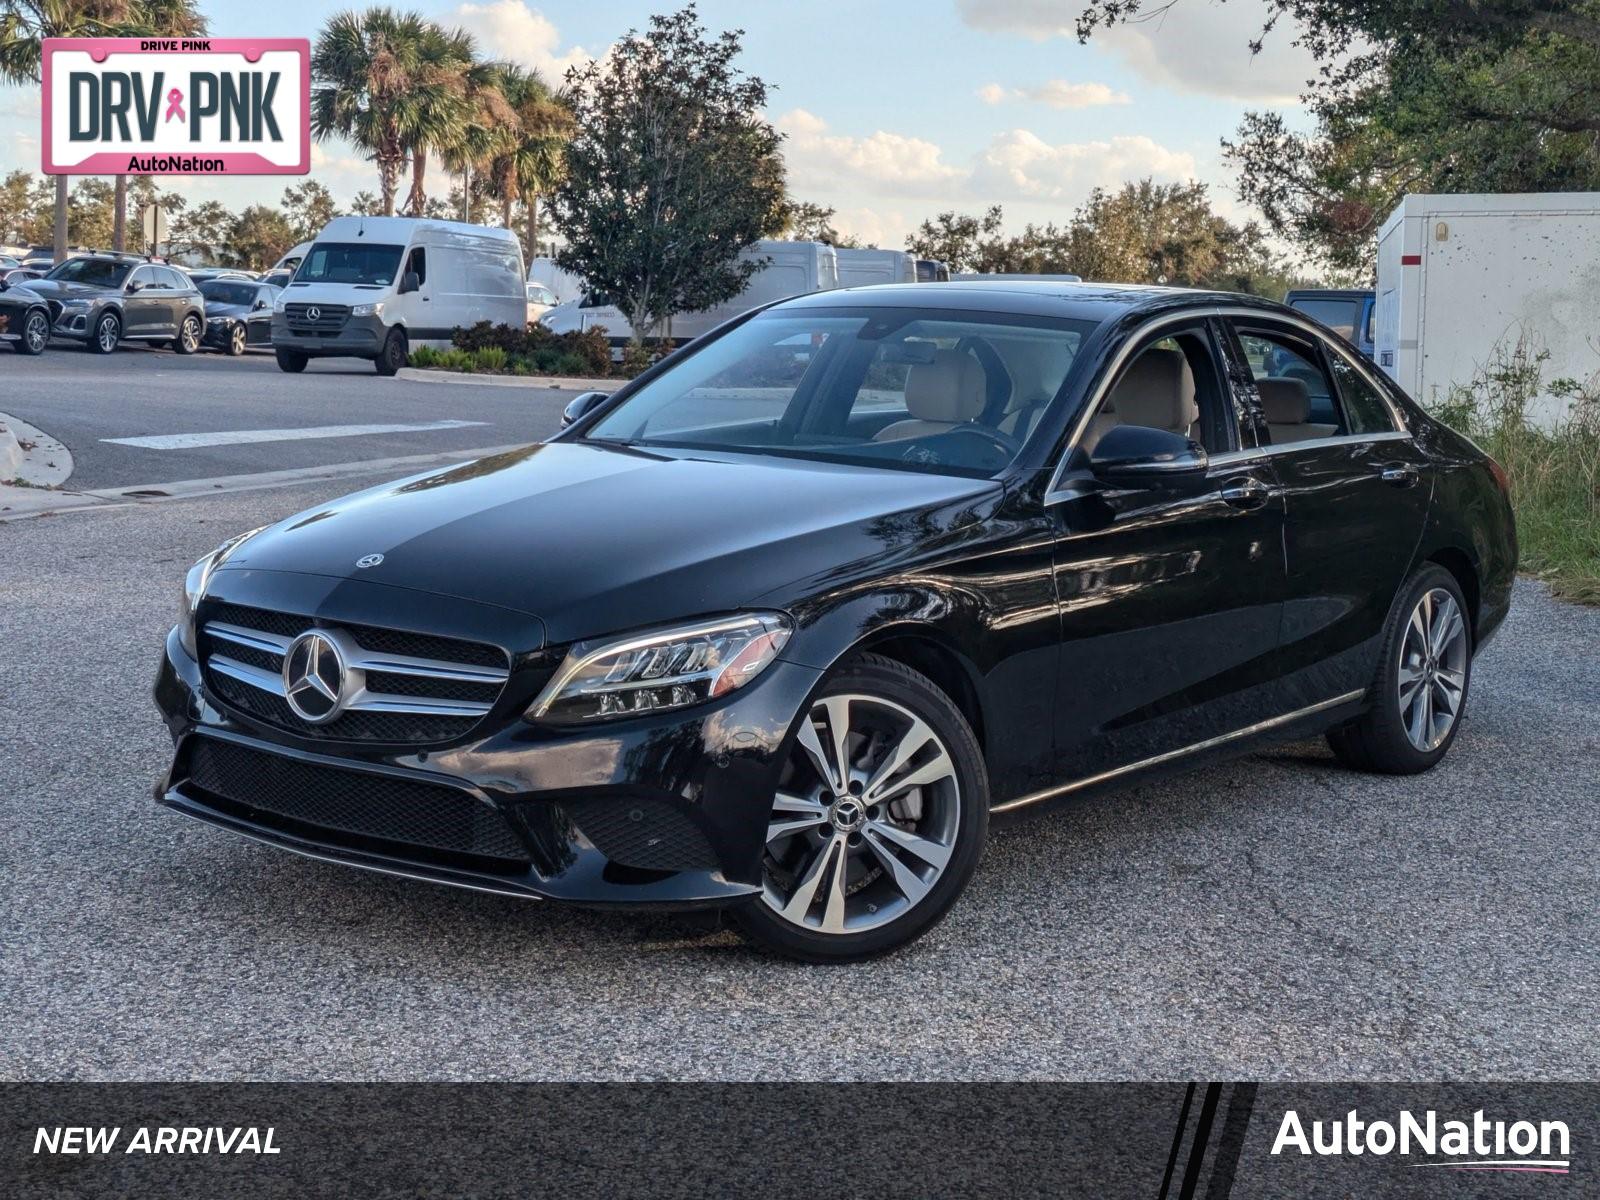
(847, 814)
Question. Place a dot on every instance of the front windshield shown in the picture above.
(910, 389)
(219, 292)
(101, 272)
(361, 263)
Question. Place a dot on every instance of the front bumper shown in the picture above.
(358, 337)
(519, 809)
(74, 324)
(217, 334)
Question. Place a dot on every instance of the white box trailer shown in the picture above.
(1459, 276)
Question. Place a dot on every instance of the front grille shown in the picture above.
(649, 834)
(401, 687)
(329, 317)
(349, 806)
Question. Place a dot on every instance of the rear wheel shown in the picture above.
(35, 333)
(106, 334)
(1420, 694)
(189, 335)
(394, 354)
(879, 819)
(291, 361)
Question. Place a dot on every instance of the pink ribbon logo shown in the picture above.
(175, 105)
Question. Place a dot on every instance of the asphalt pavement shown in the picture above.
(1272, 918)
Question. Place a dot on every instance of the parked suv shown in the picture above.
(101, 299)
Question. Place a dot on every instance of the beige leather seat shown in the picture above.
(1156, 391)
(940, 395)
(1287, 405)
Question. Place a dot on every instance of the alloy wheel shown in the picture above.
(189, 335)
(865, 818)
(106, 334)
(1432, 676)
(37, 332)
(236, 339)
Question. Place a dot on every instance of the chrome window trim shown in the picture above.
(1400, 432)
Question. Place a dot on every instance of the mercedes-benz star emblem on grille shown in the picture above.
(313, 313)
(369, 560)
(314, 677)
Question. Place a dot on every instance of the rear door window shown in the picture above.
(1365, 409)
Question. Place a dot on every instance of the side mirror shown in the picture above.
(581, 406)
(1136, 456)
(409, 282)
(135, 287)
(258, 305)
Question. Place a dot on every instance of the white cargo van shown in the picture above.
(1460, 276)
(291, 257)
(793, 269)
(861, 268)
(563, 284)
(373, 287)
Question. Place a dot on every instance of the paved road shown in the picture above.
(1276, 918)
(84, 398)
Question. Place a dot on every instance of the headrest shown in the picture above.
(949, 389)
(1157, 391)
(1285, 401)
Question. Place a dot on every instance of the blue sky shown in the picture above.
(894, 109)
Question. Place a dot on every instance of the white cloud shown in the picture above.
(511, 29)
(1019, 165)
(886, 228)
(1056, 93)
(889, 163)
(20, 102)
(1191, 46)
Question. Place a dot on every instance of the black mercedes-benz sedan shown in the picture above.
(780, 624)
(24, 317)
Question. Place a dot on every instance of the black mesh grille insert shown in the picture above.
(648, 834)
(277, 790)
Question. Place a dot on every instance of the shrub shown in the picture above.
(424, 356)
(489, 358)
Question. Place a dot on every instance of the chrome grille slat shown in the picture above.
(265, 681)
(396, 664)
(256, 639)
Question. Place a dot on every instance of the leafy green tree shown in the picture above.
(961, 241)
(804, 221)
(365, 204)
(258, 238)
(671, 172)
(25, 208)
(91, 212)
(202, 231)
(441, 102)
(1413, 96)
(366, 69)
(308, 208)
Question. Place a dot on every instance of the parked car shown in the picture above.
(792, 269)
(8, 263)
(540, 301)
(201, 275)
(20, 275)
(102, 299)
(238, 314)
(24, 317)
(780, 623)
(563, 284)
(371, 287)
(277, 279)
(1348, 312)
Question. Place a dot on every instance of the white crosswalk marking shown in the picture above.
(236, 437)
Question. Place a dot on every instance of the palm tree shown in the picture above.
(24, 24)
(533, 157)
(441, 102)
(367, 67)
(483, 132)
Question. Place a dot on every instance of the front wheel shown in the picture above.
(107, 333)
(35, 333)
(236, 340)
(291, 361)
(879, 819)
(1420, 694)
(189, 335)
(394, 354)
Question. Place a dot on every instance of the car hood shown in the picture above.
(56, 289)
(593, 539)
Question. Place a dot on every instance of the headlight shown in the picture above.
(660, 669)
(74, 306)
(367, 310)
(277, 305)
(215, 320)
(196, 582)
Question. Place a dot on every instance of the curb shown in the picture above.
(547, 382)
(10, 450)
(30, 456)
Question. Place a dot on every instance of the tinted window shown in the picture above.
(1275, 356)
(350, 262)
(176, 279)
(1341, 316)
(101, 272)
(146, 277)
(907, 389)
(418, 265)
(225, 291)
(1365, 409)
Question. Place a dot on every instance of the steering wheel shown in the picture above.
(1005, 441)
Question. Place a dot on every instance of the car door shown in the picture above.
(144, 307)
(1169, 598)
(414, 308)
(1356, 495)
(180, 293)
(258, 321)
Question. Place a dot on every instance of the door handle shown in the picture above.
(1399, 475)
(1246, 493)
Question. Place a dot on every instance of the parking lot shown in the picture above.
(1274, 918)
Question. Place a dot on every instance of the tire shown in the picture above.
(394, 355)
(1426, 666)
(236, 341)
(190, 333)
(35, 333)
(105, 335)
(905, 859)
(291, 361)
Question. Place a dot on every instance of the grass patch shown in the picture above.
(1554, 468)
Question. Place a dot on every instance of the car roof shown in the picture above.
(1075, 301)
